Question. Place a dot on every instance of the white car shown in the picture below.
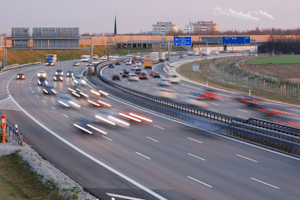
(138, 63)
(78, 80)
(133, 77)
(173, 78)
(128, 62)
(134, 67)
(41, 74)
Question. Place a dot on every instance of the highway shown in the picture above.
(164, 159)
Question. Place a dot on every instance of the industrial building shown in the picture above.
(162, 28)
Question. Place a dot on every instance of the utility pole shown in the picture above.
(206, 50)
(107, 51)
(5, 58)
(168, 51)
(91, 49)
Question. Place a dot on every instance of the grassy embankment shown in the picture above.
(31, 56)
(18, 181)
(225, 77)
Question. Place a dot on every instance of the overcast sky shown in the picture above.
(133, 16)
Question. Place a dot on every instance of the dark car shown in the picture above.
(111, 65)
(155, 74)
(49, 90)
(58, 78)
(137, 71)
(118, 63)
(125, 73)
(116, 77)
(42, 82)
(20, 76)
(70, 73)
(143, 75)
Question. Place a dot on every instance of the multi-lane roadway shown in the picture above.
(163, 159)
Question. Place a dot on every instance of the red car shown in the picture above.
(155, 74)
(143, 76)
(181, 56)
(21, 76)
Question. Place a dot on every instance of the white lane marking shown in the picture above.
(145, 89)
(89, 156)
(31, 88)
(242, 110)
(123, 197)
(265, 183)
(44, 101)
(213, 109)
(215, 104)
(37, 95)
(242, 117)
(84, 108)
(52, 107)
(147, 84)
(196, 157)
(200, 182)
(135, 86)
(246, 158)
(32, 91)
(180, 122)
(107, 138)
(65, 115)
(159, 127)
(152, 139)
(194, 140)
(143, 155)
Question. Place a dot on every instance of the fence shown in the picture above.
(11, 131)
(221, 124)
(15, 66)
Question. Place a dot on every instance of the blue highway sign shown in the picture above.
(241, 40)
(182, 41)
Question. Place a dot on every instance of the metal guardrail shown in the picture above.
(15, 66)
(15, 134)
(222, 124)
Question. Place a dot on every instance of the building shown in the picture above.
(201, 26)
(20, 38)
(162, 28)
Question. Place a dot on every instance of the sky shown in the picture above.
(135, 16)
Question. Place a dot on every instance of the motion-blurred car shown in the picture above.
(110, 117)
(77, 92)
(154, 74)
(49, 89)
(111, 65)
(181, 56)
(42, 82)
(134, 117)
(133, 77)
(58, 78)
(192, 100)
(207, 95)
(125, 73)
(99, 102)
(134, 67)
(20, 76)
(68, 101)
(116, 77)
(76, 63)
(164, 82)
(41, 74)
(143, 75)
(174, 78)
(88, 126)
(137, 71)
(250, 101)
(78, 80)
(169, 94)
(70, 73)
(138, 63)
(59, 72)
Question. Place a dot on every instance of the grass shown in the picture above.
(19, 181)
(292, 59)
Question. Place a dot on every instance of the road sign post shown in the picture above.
(3, 125)
(182, 41)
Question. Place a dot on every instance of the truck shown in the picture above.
(148, 63)
(154, 56)
(51, 59)
(162, 57)
(205, 52)
(85, 58)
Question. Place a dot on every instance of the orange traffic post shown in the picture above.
(3, 125)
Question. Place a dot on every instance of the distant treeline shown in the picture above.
(282, 44)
